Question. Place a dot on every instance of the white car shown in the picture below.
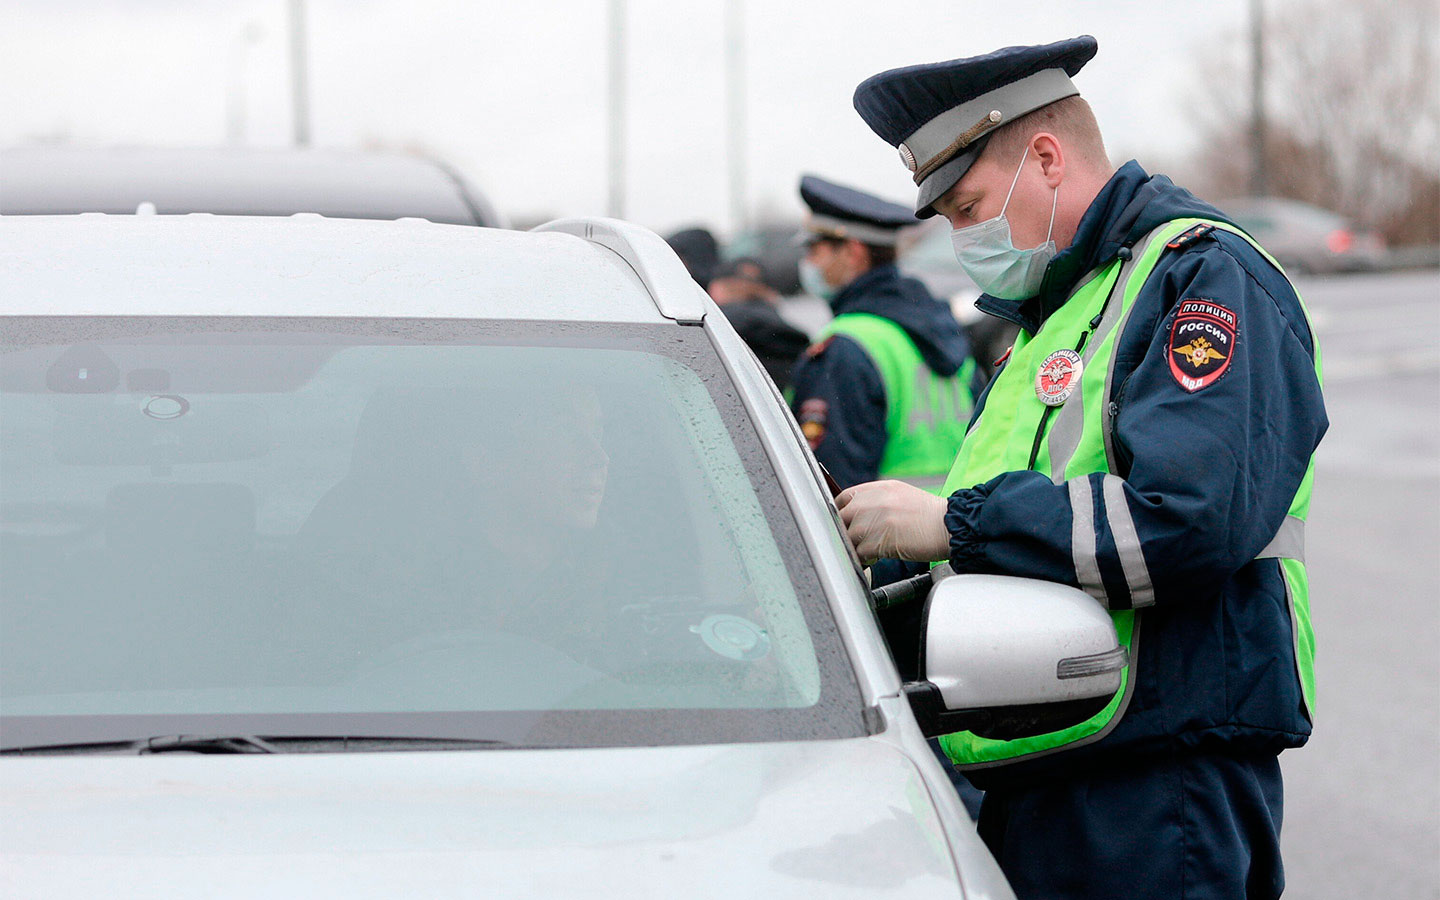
(493, 554)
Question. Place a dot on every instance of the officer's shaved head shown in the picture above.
(1071, 120)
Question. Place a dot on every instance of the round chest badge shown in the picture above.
(1058, 376)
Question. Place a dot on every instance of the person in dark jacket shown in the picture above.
(740, 289)
(888, 386)
(698, 250)
(1150, 441)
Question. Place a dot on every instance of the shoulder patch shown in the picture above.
(813, 413)
(815, 350)
(1202, 343)
(1185, 238)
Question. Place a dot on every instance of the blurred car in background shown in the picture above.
(1305, 238)
(231, 181)
(927, 253)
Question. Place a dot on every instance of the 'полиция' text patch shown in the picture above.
(1202, 343)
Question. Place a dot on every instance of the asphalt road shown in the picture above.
(1362, 812)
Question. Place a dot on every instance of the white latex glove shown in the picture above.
(896, 520)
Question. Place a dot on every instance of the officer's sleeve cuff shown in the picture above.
(961, 512)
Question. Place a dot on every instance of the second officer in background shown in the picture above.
(888, 387)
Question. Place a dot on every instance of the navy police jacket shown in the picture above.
(1205, 475)
(843, 387)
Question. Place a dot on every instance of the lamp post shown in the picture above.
(615, 107)
(735, 113)
(1259, 184)
(248, 36)
(299, 75)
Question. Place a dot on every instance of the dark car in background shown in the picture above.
(238, 181)
(927, 253)
(1305, 238)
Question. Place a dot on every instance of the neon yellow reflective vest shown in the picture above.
(926, 413)
(1016, 431)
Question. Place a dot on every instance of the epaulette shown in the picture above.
(815, 350)
(1186, 238)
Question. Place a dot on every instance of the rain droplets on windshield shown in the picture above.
(377, 524)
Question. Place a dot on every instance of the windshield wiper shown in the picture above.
(249, 743)
(165, 743)
(197, 743)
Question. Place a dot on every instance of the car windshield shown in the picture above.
(547, 534)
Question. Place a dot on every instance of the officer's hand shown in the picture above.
(896, 520)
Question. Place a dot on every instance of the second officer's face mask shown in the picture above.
(989, 256)
(812, 281)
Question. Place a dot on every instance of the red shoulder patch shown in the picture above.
(815, 350)
(813, 414)
(1202, 343)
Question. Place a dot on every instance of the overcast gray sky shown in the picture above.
(514, 93)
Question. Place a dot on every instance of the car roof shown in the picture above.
(237, 181)
(310, 265)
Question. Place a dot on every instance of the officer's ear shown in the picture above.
(1051, 153)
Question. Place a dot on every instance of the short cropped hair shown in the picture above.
(880, 256)
(1071, 120)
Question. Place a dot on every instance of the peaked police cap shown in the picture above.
(844, 212)
(940, 115)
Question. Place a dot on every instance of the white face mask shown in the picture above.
(813, 282)
(989, 256)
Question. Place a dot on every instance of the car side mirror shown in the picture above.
(1009, 657)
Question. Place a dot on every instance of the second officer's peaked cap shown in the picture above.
(940, 115)
(843, 212)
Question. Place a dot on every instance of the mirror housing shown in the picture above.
(1009, 657)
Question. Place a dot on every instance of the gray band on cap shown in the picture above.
(943, 179)
(829, 226)
(938, 140)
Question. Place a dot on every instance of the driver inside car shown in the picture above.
(464, 509)
(481, 514)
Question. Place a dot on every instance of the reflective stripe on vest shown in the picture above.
(926, 413)
(1016, 431)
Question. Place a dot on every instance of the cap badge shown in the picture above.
(907, 157)
(1058, 377)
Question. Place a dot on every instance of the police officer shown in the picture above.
(888, 386)
(1149, 440)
